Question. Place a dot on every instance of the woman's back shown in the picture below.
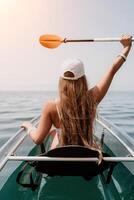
(77, 105)
(74, 117)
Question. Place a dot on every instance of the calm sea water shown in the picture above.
(16, 107)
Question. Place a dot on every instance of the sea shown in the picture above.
(16, 107)
(117, 108)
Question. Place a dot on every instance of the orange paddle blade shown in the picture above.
(50, 41)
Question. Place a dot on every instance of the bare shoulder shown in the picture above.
(94, 92)
(48, 106)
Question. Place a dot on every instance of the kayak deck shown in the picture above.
(71, 187)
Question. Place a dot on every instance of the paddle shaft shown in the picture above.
(115, 39)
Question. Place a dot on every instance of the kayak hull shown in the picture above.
(121, 185)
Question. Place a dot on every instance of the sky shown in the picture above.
(26, 65)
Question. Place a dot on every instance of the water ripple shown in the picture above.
(16, 107)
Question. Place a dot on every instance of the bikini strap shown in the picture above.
(57, 108)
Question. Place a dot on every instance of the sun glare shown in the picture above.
(5, 5)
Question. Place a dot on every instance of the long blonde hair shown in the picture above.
(77, 110)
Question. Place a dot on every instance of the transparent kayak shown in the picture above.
(20, 150)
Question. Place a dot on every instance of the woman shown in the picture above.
(74, 112)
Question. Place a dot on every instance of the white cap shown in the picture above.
(75, 66)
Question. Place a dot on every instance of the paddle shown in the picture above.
(53, 41)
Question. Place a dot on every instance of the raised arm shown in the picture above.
(102, 87)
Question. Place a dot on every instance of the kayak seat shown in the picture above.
(86, 169)
(71, 168)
